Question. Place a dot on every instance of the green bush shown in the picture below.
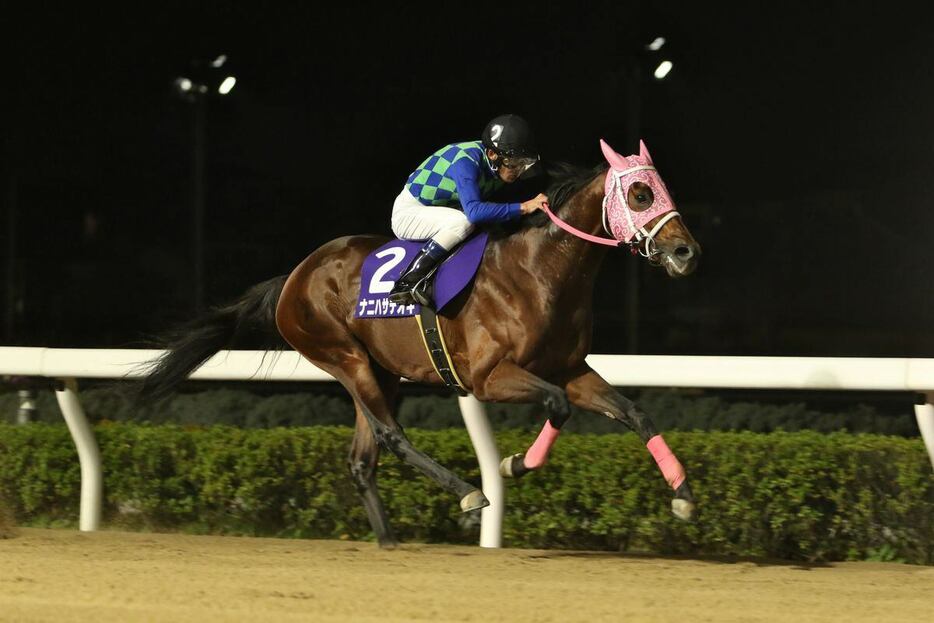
(802, 496)
(670, 409)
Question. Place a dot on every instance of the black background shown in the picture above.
(795, 137)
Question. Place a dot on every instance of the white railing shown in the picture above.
(827, 373)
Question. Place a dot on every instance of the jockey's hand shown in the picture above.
(527, 207)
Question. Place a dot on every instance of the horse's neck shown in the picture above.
(578, 257)
(565, 263)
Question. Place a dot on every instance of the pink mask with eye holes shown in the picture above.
(619, 220)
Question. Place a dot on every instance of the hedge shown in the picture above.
(670, 409)
(801, 496)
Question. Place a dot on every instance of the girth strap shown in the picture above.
(437, 350)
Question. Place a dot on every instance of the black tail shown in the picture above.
(249, 322)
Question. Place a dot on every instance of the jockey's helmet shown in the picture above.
(511, 138)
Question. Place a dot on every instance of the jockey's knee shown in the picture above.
(452, 235)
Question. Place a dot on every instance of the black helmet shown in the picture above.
(510, 136)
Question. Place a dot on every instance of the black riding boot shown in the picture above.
(414, 285)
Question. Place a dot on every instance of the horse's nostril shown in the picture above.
(684, 252)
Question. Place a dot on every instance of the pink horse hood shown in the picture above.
(624, 222)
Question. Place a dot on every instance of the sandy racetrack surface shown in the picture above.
(58, 575)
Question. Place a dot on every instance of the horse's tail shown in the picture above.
(249, 322)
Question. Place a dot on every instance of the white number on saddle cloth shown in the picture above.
(377, 284)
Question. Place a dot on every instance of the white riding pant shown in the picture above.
(411, 220)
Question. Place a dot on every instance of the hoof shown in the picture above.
(389, 544)
(682, 509)
(513, 467)
(474, 500)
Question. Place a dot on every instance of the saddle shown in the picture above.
(382, 268)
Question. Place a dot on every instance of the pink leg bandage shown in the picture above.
(538, 453)
(667, 461)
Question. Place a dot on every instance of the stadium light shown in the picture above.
(662, 70)
(227, 85)
(202, 83)
(656, 45)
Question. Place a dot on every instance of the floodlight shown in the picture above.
(662, 70)
(227, 85)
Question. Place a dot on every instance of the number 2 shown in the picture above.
(377, 285)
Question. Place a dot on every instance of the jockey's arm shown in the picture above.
(464, 173)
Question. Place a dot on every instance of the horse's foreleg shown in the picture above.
(510, 383)
(591, 392)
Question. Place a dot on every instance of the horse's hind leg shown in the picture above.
(357, 375)
(363, 459)
(362, 385)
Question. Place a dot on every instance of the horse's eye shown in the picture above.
(640, 198)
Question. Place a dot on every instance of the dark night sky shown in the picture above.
(796, 138)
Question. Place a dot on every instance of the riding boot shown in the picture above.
(414, 285)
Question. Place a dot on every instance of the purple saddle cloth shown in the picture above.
(382, 268)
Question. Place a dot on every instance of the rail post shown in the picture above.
(484, 445)
(89, 454)
(924, 414)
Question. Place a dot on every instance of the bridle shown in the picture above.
(643, 240)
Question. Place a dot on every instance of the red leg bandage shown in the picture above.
(668, 463)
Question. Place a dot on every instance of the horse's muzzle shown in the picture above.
(679, 260)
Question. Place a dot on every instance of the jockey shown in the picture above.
(443, 198)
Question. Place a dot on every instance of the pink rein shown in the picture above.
(576, 232)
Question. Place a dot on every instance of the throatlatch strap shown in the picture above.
(437, 350)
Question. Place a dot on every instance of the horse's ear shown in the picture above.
(616, 161)
(644, 152)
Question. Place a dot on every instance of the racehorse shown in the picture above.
(520, 334)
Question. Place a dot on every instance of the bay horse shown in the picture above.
(520, 334)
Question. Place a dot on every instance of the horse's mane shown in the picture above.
(561, 181)
(567, 179)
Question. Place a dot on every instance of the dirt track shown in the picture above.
(57, 575)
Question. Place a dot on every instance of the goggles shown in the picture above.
(521, 164)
